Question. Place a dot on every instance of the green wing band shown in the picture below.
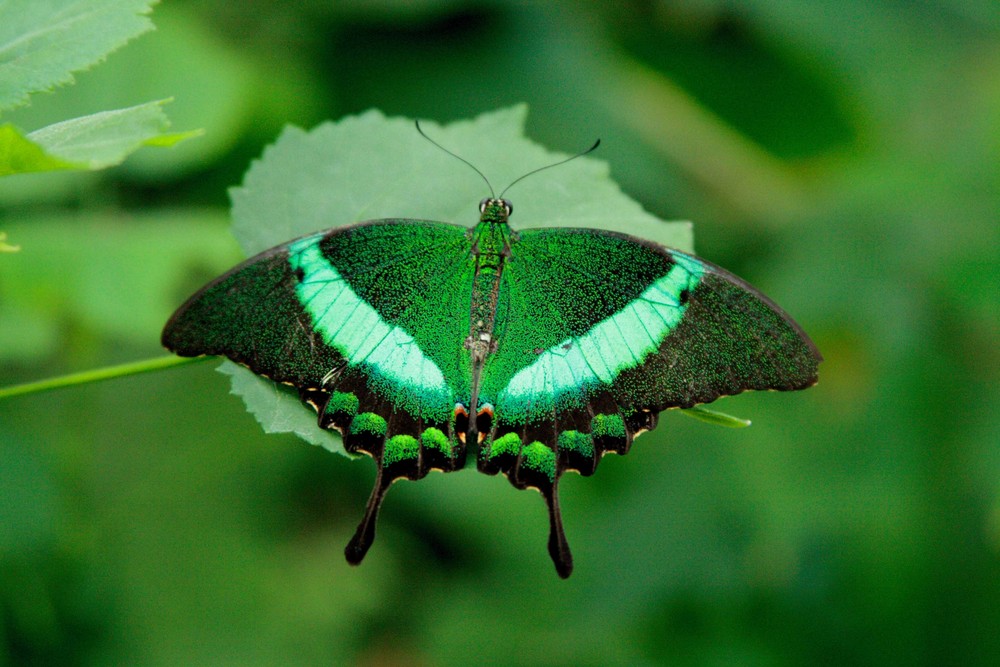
(391, 357)
(569, 371)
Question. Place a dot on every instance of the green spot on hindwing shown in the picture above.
(400, 448)
(435, 438)
(509, 444)
(342, 404)
(368, 423)
(540, 458)
(576, 442)
(611, 426)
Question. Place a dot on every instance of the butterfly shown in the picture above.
(540, 350)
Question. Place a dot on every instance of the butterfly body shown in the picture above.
(541, 350)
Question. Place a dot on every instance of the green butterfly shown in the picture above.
(543, 349)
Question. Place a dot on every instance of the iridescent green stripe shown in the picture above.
(617, 343)
(358, 332)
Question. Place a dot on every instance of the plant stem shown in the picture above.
(159, 363)
(715, 417)
(96, 375)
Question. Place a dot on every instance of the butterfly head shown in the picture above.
(495, 210)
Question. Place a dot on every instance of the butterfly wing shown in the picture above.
(365, 322)
(598, 332)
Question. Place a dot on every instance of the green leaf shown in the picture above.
(43, 43)
(183, 59)
(278, 408)
(368, 166)
(91, 142)
(19, 154)
(106, 138)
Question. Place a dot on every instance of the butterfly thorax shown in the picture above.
(491, 249)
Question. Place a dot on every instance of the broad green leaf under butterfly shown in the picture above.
(541, 349)
(370, 166)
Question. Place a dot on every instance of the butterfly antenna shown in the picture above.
(548, 166)
(458, 157)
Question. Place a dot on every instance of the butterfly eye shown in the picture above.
(507, 206)
(482, 205)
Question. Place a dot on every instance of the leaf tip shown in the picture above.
(715, 417)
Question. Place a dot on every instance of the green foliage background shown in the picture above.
(841, 156)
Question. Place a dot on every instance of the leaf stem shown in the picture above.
(96, 375)
(715, 417)
(160, 363)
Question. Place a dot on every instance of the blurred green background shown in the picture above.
(842, 156)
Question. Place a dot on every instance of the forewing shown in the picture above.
(590, 312)
(381, 298)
